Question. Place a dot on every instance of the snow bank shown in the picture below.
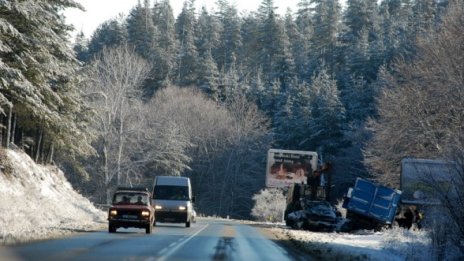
(37, 202)
(392, 244)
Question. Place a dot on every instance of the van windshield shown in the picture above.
(171, 192)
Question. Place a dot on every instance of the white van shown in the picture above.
(173, 200)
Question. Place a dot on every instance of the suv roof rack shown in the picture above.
(144, 189)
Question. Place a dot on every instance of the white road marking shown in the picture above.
(179, 245)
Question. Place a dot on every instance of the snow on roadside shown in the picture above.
(37, 202)
(391, 244)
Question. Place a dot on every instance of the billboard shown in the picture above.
(285, 167)
(425, 181)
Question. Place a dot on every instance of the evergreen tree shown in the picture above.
(248, 55)
(141, 30)
(164, 57)
(187, 58)
(109, 34)
(396, 15)
(296, 105)
(298, 46)
(81, 47)
(324, 39)
(424, 16)
(306, 29)
(325, 129)
(360, 19)
(207, 40)
(274, 56)
(230, 38)
(38, 87)
(209, 77)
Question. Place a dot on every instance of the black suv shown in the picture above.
(131, 207)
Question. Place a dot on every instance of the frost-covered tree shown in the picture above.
(38, 84)
(208, 33)
(326, 19)
(141, 30)
(230, 40)
(420, 115)
(269, 205)
(164, 56)
(305, 27)
(413, 119)
(109, 34)
(187, 55)
(114, 80)
(273, 51)
(325, 130)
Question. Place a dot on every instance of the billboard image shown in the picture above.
(285, 167)
(421, 179)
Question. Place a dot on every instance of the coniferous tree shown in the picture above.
(187, 57)
(230, 40)
(360, 19)
(109, 34)
(141, 30)
(292, 132)
(208, 30)
(425, 15)
(298, 46)
(324, 39)
(81, 47)
(164, 56)
(274, 57)
(325, 129)
(306, 29)
(248, 55)
(37, 79)
(396, 16)
(208, 79)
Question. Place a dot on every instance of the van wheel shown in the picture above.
(187, 224)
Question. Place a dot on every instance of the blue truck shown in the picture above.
(370, 206)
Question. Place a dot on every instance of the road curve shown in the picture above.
(206, 240)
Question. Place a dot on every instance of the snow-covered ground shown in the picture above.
(392, 244)
(37, 202)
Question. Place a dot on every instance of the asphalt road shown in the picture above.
(205, 240)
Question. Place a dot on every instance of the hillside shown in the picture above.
(38, 202)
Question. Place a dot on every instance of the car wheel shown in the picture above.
(148, 229)
(111, 229)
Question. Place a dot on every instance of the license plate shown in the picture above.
(129, 216)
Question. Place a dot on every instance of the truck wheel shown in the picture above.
(148, 229)
(187, 224)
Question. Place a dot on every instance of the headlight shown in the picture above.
(158, 207)
(182, 208)
(113, 212)
(145, 213)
